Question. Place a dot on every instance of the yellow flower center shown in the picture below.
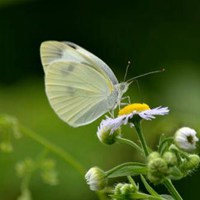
(138, 107)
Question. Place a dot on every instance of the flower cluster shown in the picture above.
(173, 159)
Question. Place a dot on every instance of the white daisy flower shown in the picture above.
(185, 138)
(106, 131)
(143, 111)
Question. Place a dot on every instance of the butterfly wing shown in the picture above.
(53, 51)
(77, 92)
(95, 60)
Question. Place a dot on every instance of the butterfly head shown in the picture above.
(122, 88)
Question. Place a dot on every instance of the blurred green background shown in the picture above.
(151, 34)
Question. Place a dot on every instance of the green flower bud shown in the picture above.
(118, 188)
(154, 179)
(170, 158)
(124, 191)
(190, 164)
(153, 155)
(157, 170)
(96, 179)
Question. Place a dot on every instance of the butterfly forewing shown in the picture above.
(53, 51)
(77, 92)
(100, 64)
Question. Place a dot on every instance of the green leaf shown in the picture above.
(139, 195)
(127, 169)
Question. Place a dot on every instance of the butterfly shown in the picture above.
(80, 87)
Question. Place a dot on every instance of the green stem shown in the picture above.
(172, 190)
(132, 182)
(53, 148)
(141, 137)
(167, 140)
(129, 142)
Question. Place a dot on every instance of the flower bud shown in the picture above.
(153, 155)
(106, 137)
(190, 164)
(157, 170)
(170, 158)
(185, 138)
(109, 130)
(123, 191)
(96, 178)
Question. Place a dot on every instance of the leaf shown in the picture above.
(139, 195)
(127, 169)
(135, 196)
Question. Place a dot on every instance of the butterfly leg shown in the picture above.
(127, 98)
(112, 113)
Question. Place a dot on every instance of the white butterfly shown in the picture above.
(80, 87)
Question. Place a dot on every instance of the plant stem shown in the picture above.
(132, 182)
(172, 190)
(129, 142)
(141, 137)
(55, 149)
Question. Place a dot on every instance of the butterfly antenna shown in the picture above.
(139, 90)
(146, 74)
(126, 72)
